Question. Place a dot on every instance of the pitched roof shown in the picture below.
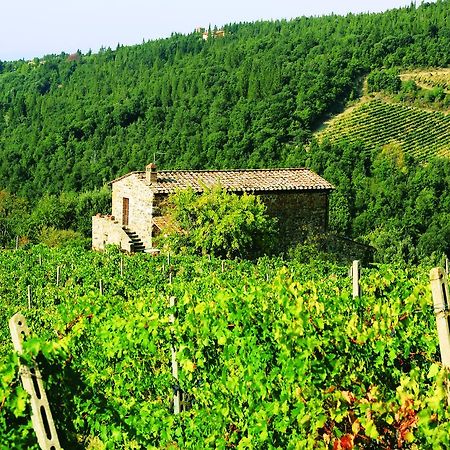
(238, 180)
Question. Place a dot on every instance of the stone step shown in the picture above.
(136, 244)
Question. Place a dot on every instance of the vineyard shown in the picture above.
(272, 354)
(430, 79)
(377, 123)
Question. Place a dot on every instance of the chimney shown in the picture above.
(151, 174)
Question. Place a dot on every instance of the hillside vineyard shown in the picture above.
(422, 134)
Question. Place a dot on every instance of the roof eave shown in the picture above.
(251, 190)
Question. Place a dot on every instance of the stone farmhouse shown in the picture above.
(297, 197)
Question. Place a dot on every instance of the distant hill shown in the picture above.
(376, 122)
(248, 99)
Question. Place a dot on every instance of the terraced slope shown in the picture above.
(377, 123)
(430, 79)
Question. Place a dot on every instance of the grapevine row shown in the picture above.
(272, 354)
(377, 123)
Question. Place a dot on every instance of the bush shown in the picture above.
(384, 80)
(216, 222)
(53, 237)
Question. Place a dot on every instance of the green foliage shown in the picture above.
(273, 355)
(89, 204)
(395, 204)
(384, 81)
(339, 212)
(52, 237)
(219, 223)
(13, 214)
(427, 89)
(16, 430)
(54, 220)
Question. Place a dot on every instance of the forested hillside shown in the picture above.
(250, 99)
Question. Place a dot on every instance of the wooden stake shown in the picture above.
(176, 392)
(32, 382)
(356, 275)
(440, 293)
(121, 266)
(29, 295)
(40, 260)
(17, 242)
(100, 286)
(168, 259)
(170, 277)
(223, 266)
(58, 275)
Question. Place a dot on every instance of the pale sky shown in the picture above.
(34, 28)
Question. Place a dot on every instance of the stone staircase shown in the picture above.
(137, 246)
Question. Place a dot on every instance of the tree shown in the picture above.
(384, 80)
(216, 222)
(13, 216)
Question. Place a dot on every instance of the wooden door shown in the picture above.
(125, 211)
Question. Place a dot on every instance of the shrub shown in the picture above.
(52, 237)
(384, 80)
(216, 222)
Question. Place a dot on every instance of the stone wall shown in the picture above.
(140, 198)
(106, 230)
(346, 250)
(298, 213)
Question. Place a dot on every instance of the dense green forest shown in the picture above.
(70, 123)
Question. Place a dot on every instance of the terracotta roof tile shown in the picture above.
(240, 180)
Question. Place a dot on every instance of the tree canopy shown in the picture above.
(218, 223)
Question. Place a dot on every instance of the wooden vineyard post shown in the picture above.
(40, 260)
(439, 291)
(29, 295)
(176, 390)
(356, 270)
(58, 275)
(100, 287)
(223, 266)
(32, 382)
(17, 242)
